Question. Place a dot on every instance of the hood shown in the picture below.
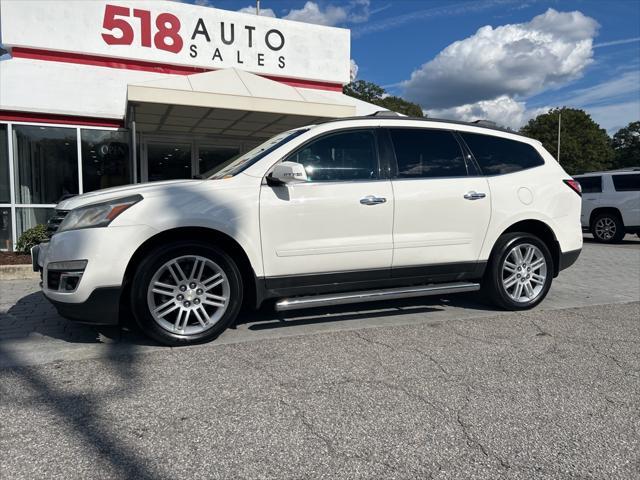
(145, 189)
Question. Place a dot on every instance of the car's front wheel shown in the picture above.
(186, 292)
(519, 273)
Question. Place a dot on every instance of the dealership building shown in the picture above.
(97, 94)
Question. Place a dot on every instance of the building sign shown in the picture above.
(179, 34)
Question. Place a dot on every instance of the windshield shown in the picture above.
(243, 161)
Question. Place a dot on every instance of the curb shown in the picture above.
(18, 272)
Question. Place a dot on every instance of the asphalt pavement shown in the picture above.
(437, 388)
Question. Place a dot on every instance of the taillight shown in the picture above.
(574, 185)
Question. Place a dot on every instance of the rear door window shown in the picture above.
(425, 153)
(627, 183)
(590, 184)
(499, 156)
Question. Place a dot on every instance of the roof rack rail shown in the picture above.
(381, 114)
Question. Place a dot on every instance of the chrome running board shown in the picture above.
(312, 301)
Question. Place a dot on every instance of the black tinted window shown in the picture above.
(497, 156)
(590, 184)
(423, 153)
(341, 156)
(627, 183)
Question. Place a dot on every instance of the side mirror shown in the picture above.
(285, 173)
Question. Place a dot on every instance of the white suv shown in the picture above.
(611, 204)
(346, 211)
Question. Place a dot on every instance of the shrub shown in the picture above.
(31, 237)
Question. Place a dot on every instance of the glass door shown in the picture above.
(168, 161)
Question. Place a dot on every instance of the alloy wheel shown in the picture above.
(605, 228)
(524, 273)
(188, 295)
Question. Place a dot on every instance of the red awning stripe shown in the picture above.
(13, 116)
(121, 63)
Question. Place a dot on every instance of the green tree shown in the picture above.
(363, 90)
(626, 145)
(372, 93)
(584, 146)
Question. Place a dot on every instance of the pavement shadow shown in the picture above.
(34, 315)
(80, 408)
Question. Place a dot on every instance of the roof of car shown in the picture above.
(388, 115)
(604, 172)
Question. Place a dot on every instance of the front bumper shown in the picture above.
(101, 308)
(107, 252)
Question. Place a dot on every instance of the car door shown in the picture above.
(335, 227)
(442, 206)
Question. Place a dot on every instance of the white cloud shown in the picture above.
(355, 11)
(622, 41)
(353, 70)
(264, 12)
(516, 60)
(503, 110)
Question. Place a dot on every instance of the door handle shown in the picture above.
(474, 195)
(372, 200)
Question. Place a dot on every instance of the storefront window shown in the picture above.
(105, 159)
(46, 163)
(168, 161)
(5, 196)
(30, 217)
(5, 229)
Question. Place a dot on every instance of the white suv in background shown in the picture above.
(346, 211)
(611, 204)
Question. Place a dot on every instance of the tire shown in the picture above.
(499, 273)
(607, 228)
(197, 293)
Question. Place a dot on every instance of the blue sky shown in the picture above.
(528, 56)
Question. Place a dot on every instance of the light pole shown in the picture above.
(258, 7)
(559, 125)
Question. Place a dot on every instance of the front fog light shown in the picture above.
(69, 265)
(65, 276)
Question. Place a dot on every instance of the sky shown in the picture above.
(502, 60)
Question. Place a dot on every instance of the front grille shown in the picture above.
(54, 223)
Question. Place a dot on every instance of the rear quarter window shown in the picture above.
(499, 156)
(626, 183)
(590, 184)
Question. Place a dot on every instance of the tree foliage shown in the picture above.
(626, 146)
(372, 93)
(584, 146)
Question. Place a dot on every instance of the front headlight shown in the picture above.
(98, 214)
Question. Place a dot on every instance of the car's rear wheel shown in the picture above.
(186, 293)
(519, 273)
(607, 228)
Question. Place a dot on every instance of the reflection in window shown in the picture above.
(105, 159)
(211, 157)
(5, 196)
(340, 157)
(27, 218)
(46, 163)
(423, 153)
(5, 229)
(168, 162)
(498, 156)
